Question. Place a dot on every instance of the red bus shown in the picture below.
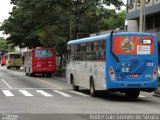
(39, 61)
(3, 60)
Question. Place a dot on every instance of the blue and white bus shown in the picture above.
(124, 62)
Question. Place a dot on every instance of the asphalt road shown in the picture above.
(40, 98)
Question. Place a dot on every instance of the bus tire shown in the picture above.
(18, 67)
(132, 93)
(75, 88)
(26, 74)
(30, 74)
(8, 67)
(92, 88)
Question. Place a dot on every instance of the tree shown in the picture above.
(47, 23)
(116, 21)
(4, 46)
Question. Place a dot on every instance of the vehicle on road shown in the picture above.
(124, 62)
(13, 59)
(3, 60)
(40, 61)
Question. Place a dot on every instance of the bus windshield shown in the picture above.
(139, 45)
(43, 53)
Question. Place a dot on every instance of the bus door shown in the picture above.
(135, 58)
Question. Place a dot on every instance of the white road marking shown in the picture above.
(78, 93)
(62, 93)
(44, 93)
(142, 96)
(7, 93)
(26, 93)
(32, 88)
(7, 84)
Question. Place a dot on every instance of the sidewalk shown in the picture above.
(157, 92)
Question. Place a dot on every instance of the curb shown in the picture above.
(156, 94)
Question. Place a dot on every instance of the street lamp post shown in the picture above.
(70, 27)
(142, 16)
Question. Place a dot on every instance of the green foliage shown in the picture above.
(49, 23)
(116, 21)
(60, 71)
(4, 46)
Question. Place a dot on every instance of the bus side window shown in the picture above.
(92, 47)
(30, 55)
(83, 50)
(26, 56)
(71, 52)
(101, 51)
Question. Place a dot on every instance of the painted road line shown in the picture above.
(78, 93)
(26, 93)
(6, 84)
(62, 93)
(142, 96)
(31, 89)
(44, 93)
(7, 93)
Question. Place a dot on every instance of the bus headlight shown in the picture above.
(112, 73)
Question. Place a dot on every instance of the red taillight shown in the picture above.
(112, 73)
(154, 75)
(158, 71)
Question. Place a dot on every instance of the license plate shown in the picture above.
(134, 76)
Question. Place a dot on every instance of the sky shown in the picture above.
(5, 8)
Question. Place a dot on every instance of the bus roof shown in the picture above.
(88, 39)
(104, 37)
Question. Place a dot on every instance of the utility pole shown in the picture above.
(142, 16)
(70, 27)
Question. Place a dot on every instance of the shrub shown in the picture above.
(60, 71)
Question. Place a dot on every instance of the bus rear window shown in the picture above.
(133, 45)
(43, 53)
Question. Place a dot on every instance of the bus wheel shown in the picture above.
(92, 88)
(8, 67)
(132, 93)
(75, 88)
(26, 74)
(30, 74)
(17, 67)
